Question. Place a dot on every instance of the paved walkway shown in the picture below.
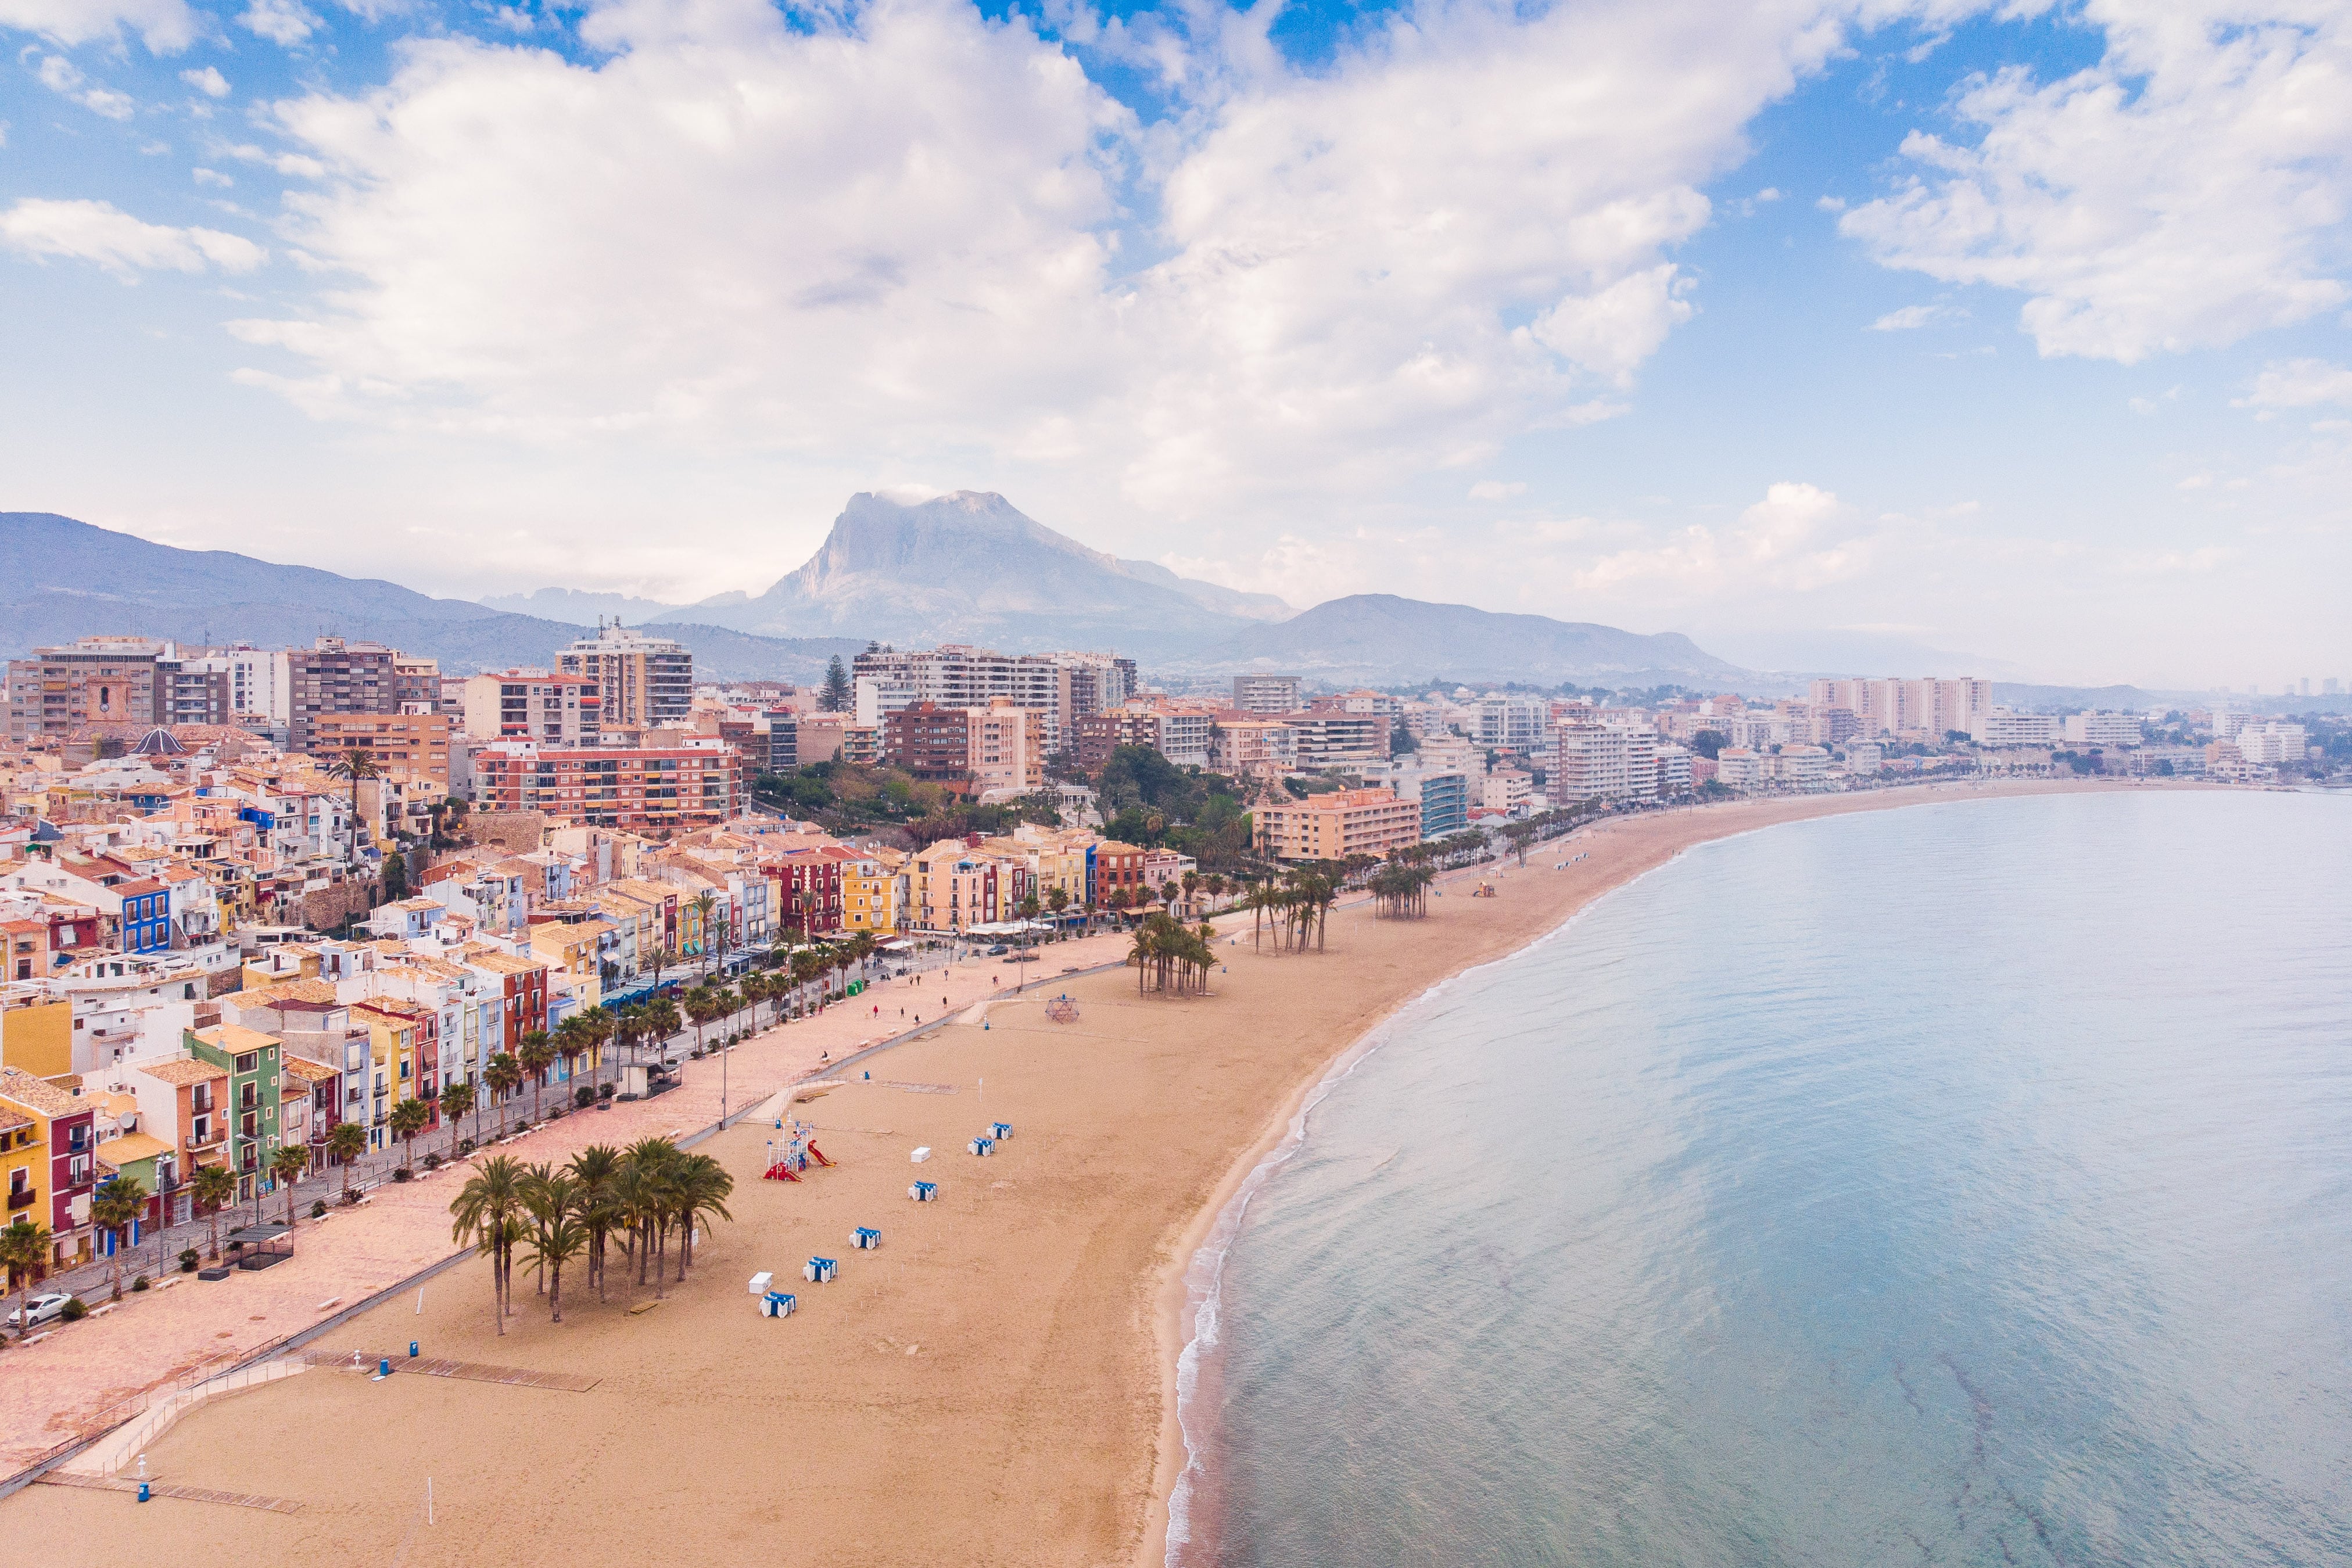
(85, 1376)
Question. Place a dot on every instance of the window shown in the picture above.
(249, 1061)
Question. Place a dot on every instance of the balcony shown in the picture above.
(21, 1200)
(199, 1141)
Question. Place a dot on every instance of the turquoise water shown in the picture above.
(1965, 1184)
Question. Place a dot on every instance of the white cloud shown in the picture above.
(59, 74)
(2299, 383)
(124, 245)
(2189, 190)
(166, 27)
(1912, 317)
(1497, 489)
(1796, 538)
(208, 81)
(902, 225)
(283, 22)
(213, 177)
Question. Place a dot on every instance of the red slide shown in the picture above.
(818, 1155)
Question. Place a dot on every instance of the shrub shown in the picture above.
(583, 1096)
(603, 1091)
(139, 1283)
(403, 1174)
(74, 1312)
(432, 1162)
(188, 1259)
(317, 1211)
(465, 1145)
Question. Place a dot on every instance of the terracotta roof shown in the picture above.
(235, 1039)
(308, 991)
(308, 1071)
(182, 1071)
(119, 1152)
(45, 1098)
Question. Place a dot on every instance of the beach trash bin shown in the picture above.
(820, 1270)
(1000, 1131)
(777, 1304)
(761, 1281)
(983, 1145)
(924, 1191)
(865, 1239)
(921, 1154)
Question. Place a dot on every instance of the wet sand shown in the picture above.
(995, 1384)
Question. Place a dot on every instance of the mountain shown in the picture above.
(1379, 637)
(60, 579)
(969, 568)
(578, 608)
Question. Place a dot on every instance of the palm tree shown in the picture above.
(286, 1164)
(115, 1208)
(1058, 899)
(504, 1075)
(212, 1189)
(409, 1118)
(354, 765)
(347, 1143)
(535, 1056)
(593, 1168)
(557, 1235)
(24, 1246)
(662, 1020)
(703, 1186)
(457, 1099)
(756, 988)
(484, 1212)
(703, 903)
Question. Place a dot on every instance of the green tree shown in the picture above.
(457, 1099)
(409, 1118)
(347, 1143)
(212, 1189)
(595, 1168)
(354, 765)
(703, 1186)
(556, 1234)
(484, 1214)
(24, 1250)
(836, 696)
(535, 1056)
(503, 1073)
(286, 1163)
(395, 876)
(115, 1208)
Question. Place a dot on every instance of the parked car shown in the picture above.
(999, 949)
(38, 1311)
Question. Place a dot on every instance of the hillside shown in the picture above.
(1379, 637)
(60, 579)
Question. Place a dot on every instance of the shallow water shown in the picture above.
(1961, 1183)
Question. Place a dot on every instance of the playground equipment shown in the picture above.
(924, 1192)
(983, 1145)
(820, 1270)
(865, 1239)
(777, 1304)
(798, 1150)
(1000, 1131)
(1062, 1010)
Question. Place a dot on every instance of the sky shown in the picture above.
(1925, 337)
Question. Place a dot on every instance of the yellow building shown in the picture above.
(394, 1068)
(36, 1036)
(869, 896)
(23, 1166)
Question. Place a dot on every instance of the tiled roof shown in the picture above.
(308, 1071)
(25, 1089)
(119, 1152)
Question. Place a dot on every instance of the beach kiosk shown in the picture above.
(924, 1191)
(820, 1270)
(865, 1239)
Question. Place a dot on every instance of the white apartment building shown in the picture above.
(1516, 724)
(1932, 706)
(1269, 694)
(2270, 744)
(1802, 767)
(1674, 771)
(1738, 768)
(1507, 789)
(258, 681)
(1603, 761)
(532, 704)
(1999, 728)
(1253, 747)
(1863, 756)
(1063, 686)
(2103, 729)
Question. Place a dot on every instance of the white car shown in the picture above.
(38, 1311)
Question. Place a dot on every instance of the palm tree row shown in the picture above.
(549, 1217)
(1296, 908)
(1401, 889)
(1175, 959)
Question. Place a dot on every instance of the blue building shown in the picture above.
(1445, 804)
(146, 916)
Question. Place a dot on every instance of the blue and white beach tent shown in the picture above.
(777, 1304)
(924, 1191)
(983, 1145)
(865, 1239)
(1000, 1131)
(820, 1270)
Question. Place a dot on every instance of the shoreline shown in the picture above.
(1003, 1370)
(1176, 1303)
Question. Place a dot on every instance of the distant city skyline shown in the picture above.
(2016, 333)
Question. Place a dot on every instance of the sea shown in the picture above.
(1969, 1183)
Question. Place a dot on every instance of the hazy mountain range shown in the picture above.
(965, 568)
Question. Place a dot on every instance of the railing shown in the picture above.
(17, 1200)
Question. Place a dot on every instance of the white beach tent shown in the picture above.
(865, 1239)
(777, 1304)
(924, 1191)
(820, 1270)
(983, 1145)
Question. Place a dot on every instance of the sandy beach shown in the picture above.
(993, 1385)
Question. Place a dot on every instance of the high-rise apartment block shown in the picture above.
(974, 750)
(332, 676)
(1269, 694)
(98, 680)
(1932, 706)
(531, 704)
(1335, 825)
(1603, 761)
(642, 683)
(1064, 687)
(639, 788)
